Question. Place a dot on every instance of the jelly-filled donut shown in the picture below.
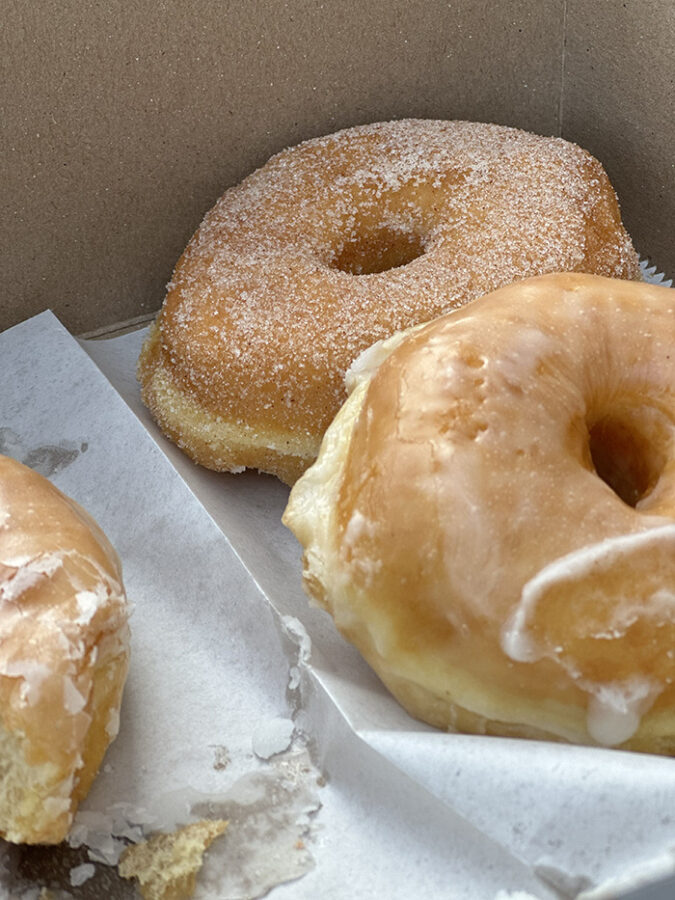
(341, 241)
(491, 519)
(64, 652)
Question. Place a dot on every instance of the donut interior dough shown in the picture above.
(342, 241)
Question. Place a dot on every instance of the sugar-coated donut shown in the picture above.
(64, 646)
(342, 241)
(491, 519)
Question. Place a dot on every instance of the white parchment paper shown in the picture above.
(226, 650)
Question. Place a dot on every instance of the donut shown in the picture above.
(491, 518)
(340, 242)
(64, 646)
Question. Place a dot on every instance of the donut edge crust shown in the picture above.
(214, 442)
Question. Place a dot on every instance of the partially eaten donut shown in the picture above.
(64, 651)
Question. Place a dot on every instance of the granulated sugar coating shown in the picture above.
(337, 243)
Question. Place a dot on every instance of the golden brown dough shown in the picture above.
(491, 519)
(341, 241)
(166, 866)
(64, 647)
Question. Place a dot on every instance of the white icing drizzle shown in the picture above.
(357, 527)
(33, 674)
(526, 351)
(369, 360)
(112, 726)
(73, 701)
(63, 641)
(614, 710)
(56, 806)
(89, 602)
(660, 606)
(28, 573)
(515, 641)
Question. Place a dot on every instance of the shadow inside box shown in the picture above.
(57, 869)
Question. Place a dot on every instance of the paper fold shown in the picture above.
(224, 640)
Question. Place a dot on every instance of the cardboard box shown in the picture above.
(124, 122)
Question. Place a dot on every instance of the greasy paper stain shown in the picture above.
(46, 459)
(166, 865)
(271, 813)
(268, 839)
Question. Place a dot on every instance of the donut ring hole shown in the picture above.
(378, 251)
(625, 455)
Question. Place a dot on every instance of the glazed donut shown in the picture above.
(491, 519)
(342, 241)
(64, 647)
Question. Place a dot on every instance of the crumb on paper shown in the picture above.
(221, 757)
(271, 811)
(166, 865)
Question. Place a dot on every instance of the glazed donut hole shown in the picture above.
(628, 448)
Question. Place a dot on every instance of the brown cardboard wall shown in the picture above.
(619, 90)
(123, 123)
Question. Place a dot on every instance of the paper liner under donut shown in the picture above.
(64, 649)
(455, 526)
(342, 241)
